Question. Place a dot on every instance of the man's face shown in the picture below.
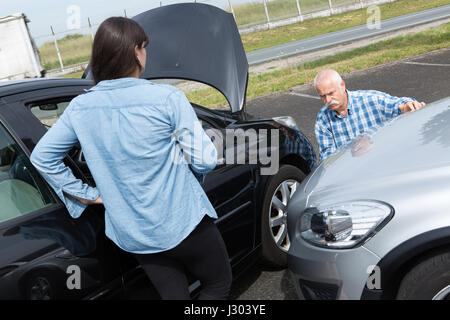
(333, 95)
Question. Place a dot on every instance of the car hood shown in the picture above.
(196, 42)
(410, 147)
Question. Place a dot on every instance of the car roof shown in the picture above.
(17, 86)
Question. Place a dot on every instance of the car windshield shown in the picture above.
(199, 93)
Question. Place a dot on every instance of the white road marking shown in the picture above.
(428, 64)
(304, 95)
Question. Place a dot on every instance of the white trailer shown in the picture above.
(19, 56)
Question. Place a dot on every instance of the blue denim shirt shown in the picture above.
(142, 143)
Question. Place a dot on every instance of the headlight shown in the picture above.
(343, 225)
(288, 121)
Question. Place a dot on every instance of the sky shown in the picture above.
(71, 16)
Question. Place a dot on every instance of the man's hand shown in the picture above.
(411, 106)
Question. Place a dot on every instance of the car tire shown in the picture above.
(43, 285)
(274, 238)
(430, 279)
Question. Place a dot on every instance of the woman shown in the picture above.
(144, 147)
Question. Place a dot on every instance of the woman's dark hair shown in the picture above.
(113, 53)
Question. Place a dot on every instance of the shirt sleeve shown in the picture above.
(48, 157)
(389, 105)
(324, 138)
(198, 149)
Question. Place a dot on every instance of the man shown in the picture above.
(347, 115)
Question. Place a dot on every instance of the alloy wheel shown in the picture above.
(40, 289)
(278, 213)
(444, 294)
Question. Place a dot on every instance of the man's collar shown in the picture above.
(349, 106)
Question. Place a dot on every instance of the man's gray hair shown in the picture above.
(327, 74)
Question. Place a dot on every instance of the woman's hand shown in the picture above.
(97, 201)
(88, 202)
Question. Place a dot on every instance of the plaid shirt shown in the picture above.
(366, 110)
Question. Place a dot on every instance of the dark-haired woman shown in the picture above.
(144, 147)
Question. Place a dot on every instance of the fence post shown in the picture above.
(299, 10)
(331, 7)
(267, 13)
(125, 13)
(90, 28)
(232, 11)
(57, 49)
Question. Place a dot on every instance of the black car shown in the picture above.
(46, 254)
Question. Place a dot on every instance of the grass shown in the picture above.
(372, 55)
(77, 49)
(76, 75)
(254, 13)
(74, 48)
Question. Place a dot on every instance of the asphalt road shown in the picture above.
(425, 77)
(344, 36)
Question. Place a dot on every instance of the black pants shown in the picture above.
(203, 254)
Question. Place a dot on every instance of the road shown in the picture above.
(347, 35)
(425, 77)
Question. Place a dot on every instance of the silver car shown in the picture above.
(373, 221)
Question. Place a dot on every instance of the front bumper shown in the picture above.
(323, 274)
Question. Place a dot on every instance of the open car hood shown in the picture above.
(198, 42)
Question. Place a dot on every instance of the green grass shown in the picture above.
(74, 48)
(75, 75)
(372, 55)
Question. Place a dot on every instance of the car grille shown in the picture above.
(318, 291)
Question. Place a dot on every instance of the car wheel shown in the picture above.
(274, 237)
(428, 280)
(42, 286)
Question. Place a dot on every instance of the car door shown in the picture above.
(44, 253)
(230, 188)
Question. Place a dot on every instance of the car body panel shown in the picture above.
(234, 189)
(332, 268)
(407, 167)
(417, 142)
(47, 242)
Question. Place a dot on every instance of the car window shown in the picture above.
(22, 190)
(49, 113)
